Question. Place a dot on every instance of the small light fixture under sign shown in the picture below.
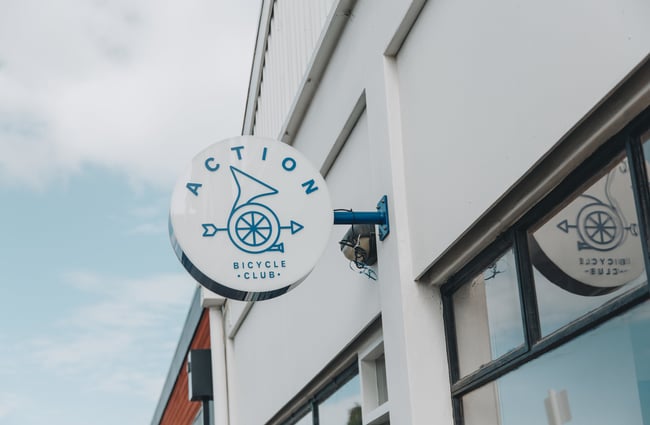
(359, 244)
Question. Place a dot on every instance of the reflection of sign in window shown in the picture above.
(591, 247)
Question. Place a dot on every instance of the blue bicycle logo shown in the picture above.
(253, 227)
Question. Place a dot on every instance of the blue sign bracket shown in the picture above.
(379, 217)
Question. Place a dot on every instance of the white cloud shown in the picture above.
(81, 352)
(151, 228)
(84, 280)
(132, 382)
(136, 86)
(9, 403)
(149, 219)
(126, 319)
(149, 211)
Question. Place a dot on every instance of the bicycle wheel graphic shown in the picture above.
(253, 228)
(600, 227)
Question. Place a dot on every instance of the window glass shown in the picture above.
(198, 420)
(601, 377)
(487, 313)
(589, 252)
(343, 407)
(382, 383)
(306, 420)
(645, 139)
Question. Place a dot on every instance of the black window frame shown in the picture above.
(627, 143)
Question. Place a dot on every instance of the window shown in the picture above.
(381, 385)
(551, 323)
(589, 251)
(339, 403)
(343, 406)
(600, 377)
(375, 384)
(351, 390)
(487, 314)
(198, 420)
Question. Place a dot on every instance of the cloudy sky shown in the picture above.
(102, 103)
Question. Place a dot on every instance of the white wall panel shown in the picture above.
(475, 103)
(285, 345)
(487, 88)
(286, 341)
(294, 31)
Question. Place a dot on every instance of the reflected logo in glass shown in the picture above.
(591, 247)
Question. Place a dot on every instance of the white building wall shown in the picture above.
(286, 341)
(440, 105)
(488, 88)
(414, 343)
(413, 335)
(293, 33)
(476, 95)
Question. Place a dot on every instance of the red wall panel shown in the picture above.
(180, 410)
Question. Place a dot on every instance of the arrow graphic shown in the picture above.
(210, 230)
(295, 227)
(565, 226)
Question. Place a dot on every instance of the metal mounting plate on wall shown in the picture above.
(382, 208)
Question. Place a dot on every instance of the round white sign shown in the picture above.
(250, 218)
